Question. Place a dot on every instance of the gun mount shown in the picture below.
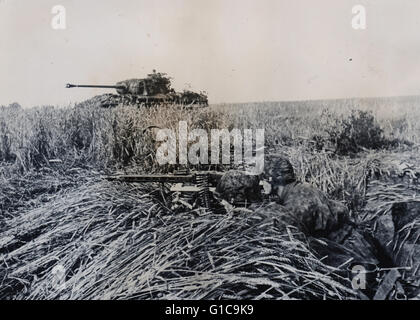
(188, 189)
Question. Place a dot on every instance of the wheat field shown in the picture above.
(117, 241)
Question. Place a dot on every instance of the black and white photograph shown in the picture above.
(209, 150)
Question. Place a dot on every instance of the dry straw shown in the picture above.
(117, 241)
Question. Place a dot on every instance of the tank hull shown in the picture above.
(113, 100)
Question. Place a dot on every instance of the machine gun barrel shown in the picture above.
(213, 177)
(152, 178)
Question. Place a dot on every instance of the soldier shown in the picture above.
(316, 214)
(308, 209)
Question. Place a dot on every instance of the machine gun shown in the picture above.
(177, 177)
(189, 187)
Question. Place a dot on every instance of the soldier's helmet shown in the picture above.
(279, 171)
(239, 188)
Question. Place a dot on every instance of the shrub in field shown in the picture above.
(358, 131)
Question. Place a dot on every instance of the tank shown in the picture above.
(153, 90)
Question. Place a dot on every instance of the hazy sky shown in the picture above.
(236, 50)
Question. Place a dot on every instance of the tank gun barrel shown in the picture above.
(69, 85)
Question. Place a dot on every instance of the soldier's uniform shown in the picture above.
(320, 217)
(306, 208)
